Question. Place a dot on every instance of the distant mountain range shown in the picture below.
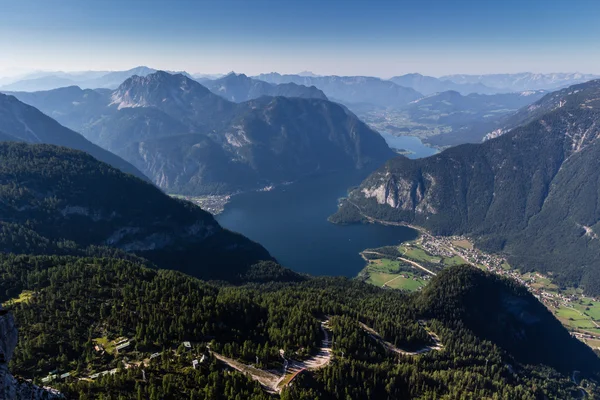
(191, 141)
(451, 107)
(20, 122)
(84, 247)
(441, 111)
(448, 118)
(240, 88)
(86, 80)
(429, 85)
(469, 118)
(351, 90)
(522, 81)
(426, 85)
(530, 193)
(491, 84)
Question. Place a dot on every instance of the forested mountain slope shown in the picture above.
(89, 306)
(20, 122)
(75, 303)
(507, 314)
(531, 193)
(56, 200)
(189, 140)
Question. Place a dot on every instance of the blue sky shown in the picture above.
(380, 38)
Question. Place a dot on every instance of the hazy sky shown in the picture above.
(380, 38)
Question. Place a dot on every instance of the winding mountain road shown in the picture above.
(392, 348)
(273, 382)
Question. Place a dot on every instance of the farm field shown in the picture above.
(386, 272)
(415, 252)
(418, 254)
(579, 314)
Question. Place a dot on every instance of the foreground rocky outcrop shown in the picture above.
(10, 386)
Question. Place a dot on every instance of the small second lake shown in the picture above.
(411, 143)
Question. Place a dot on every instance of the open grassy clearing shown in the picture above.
(417, 254)
(407, 282)
(465, 244)
(568, 313)
(385, 271)
(590, 308)
(108, 345)
(379, 278)
(456, 260)
(24, 297)
(538, 282)
(384, 265)
(402, 281)
(573, 319)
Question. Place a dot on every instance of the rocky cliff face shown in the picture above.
(531, 190)
(11, 387)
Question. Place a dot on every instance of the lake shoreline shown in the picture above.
(290, 221)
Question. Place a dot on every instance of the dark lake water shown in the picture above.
(291, 222)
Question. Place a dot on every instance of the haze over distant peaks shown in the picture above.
(85, 79)
(523, 81)
(429, 85)
(307, 73)
(239, 87)
(350, 90)
(192, 141)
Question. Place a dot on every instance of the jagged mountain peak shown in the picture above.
(156, 89)
(232, 76)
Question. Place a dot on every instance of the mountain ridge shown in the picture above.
(509, 192)
(68, 196)
(257, 143)
(351, 90)
(22, 122)
(239, 88)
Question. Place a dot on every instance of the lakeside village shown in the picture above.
(577, 312)
(215, 204)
